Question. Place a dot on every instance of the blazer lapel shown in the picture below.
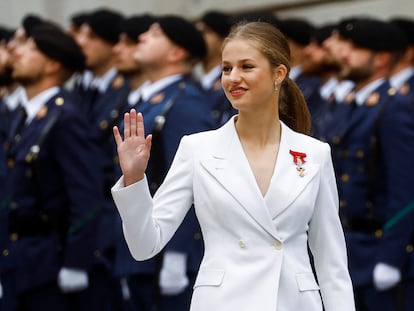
(231, 169)
(287, 184)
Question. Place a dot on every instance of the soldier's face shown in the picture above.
(357, 64)
(154, 48)
(29, 63)
(98, 52)
(124, 55)
(5, 65)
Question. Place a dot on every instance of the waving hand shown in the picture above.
(134, 148)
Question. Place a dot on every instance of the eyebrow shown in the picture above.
(240, 61)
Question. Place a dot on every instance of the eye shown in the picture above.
(247, 66)
(226, 69)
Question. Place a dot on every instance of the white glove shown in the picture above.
(72, 280)
(1, 290)
(173, 275)
(385, 276)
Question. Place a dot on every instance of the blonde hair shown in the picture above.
(293, 109)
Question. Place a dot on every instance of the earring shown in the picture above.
(276, 86)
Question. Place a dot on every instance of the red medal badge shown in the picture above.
(299, 160)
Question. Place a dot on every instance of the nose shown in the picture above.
(142, 37)
(234, 75)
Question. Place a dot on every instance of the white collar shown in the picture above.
(207, 80)
(102, 83)
(362, 94)
(398, 80)
(159, 85)
(34, 105)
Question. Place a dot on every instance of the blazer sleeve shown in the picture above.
(149, 223)
(327, 243)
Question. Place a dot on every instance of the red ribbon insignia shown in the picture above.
(299, 160)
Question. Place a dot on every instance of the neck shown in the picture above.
(160, 73)
(102, 70)
(36, 88)
(136, 80)
(259, 129)
(210, 63)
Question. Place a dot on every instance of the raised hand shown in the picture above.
(134, 148)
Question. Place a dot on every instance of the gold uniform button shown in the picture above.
(278, 244)
(10, 163)
(336, 140)
(392, 91)
(116, 160)
(197, 236)
(5, 252)
(360, 154)
(242, 244)
(59, 101)
(103, 125)
(14, 237)
(409, 248)
(378, 233)
(345, 178)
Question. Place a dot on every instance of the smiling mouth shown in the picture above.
(237, 91)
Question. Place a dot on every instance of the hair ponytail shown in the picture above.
(293, 109)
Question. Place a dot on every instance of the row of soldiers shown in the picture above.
(358, 79)
(61, 237)
(62, 242)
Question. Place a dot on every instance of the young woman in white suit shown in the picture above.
(262, 189)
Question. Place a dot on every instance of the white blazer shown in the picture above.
(256, 255)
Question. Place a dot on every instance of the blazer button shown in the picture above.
(242, 244)
(14, 237)
(5, 252)
(278, 244)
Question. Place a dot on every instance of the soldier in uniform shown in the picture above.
(215, 26)
(11, 98)
(54, 183)
(174, 106)
(320, 64)
(402, 76)
(298, 31)
(6, 261)
(103, 103)
(125, 266)
(375, 187)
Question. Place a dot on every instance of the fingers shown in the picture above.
(140, 125)
(133, 125)
(133, 122)
(127, 125)
(117, 135)
(148, 141)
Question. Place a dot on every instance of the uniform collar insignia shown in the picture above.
(42, 113)
(157, 98)
(404, 89)
(372, 99)
(349, 98)
(118, 82)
